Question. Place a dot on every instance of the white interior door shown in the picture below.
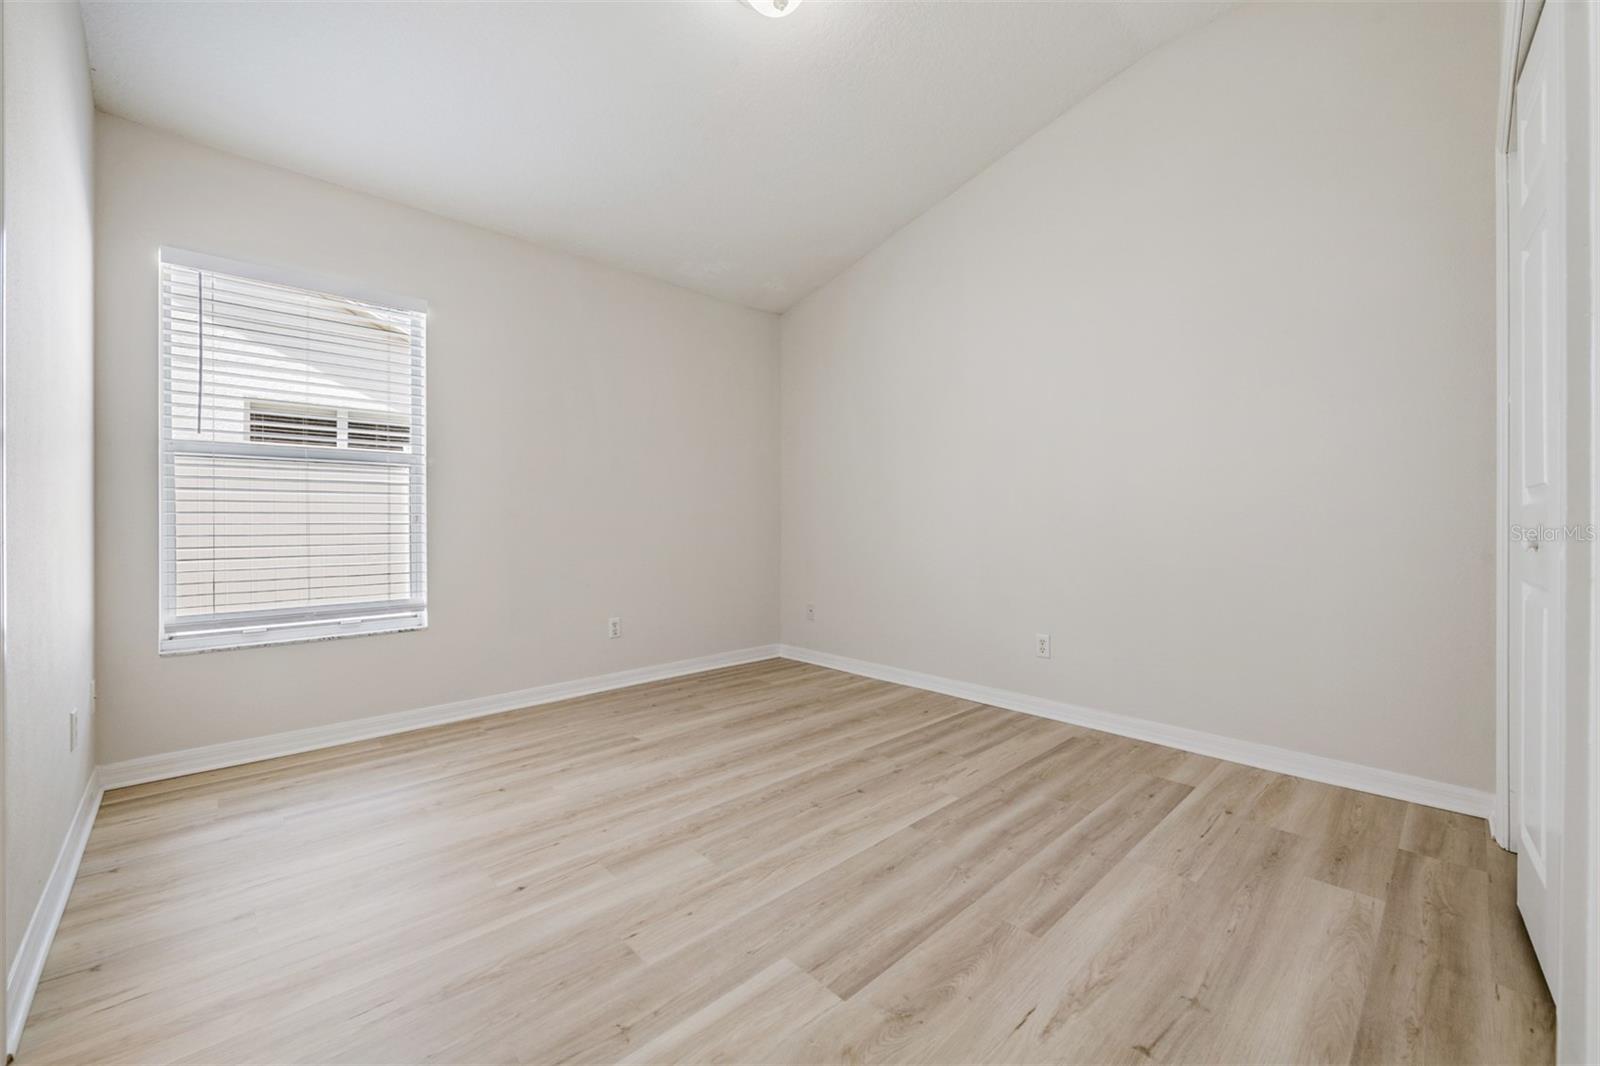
(1538, 398)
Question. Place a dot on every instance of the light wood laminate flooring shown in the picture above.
(781, 863)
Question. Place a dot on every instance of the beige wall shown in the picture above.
(1199, 380)
(599, 444)
(49, 476)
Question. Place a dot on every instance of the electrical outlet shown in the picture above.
(72, 730)
(614, 629)
(811, 612)
(1041, 645)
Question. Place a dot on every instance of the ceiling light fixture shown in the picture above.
(773, 9)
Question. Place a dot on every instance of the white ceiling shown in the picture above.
(698, 142)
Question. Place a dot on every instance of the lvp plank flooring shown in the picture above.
(781, 863)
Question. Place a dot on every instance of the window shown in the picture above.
(293, 476)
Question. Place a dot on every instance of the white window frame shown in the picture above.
(252, 629)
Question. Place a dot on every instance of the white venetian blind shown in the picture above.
(292, 462)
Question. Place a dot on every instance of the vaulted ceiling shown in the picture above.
(691, 140)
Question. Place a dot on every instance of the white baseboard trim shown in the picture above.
(1264, 756)
(22, 980)
(1497, 821)
(237, 752)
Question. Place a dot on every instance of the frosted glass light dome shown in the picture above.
(773, 9)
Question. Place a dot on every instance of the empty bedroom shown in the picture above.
(799, 531)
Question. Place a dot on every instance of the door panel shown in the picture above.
(1534, 747)
(1538, 496)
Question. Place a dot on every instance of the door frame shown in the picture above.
(1587, 1041)
(1510, 36)
(5, 961)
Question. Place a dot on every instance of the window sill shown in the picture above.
(302, 633)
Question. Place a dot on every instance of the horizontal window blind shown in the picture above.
(293, 471)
